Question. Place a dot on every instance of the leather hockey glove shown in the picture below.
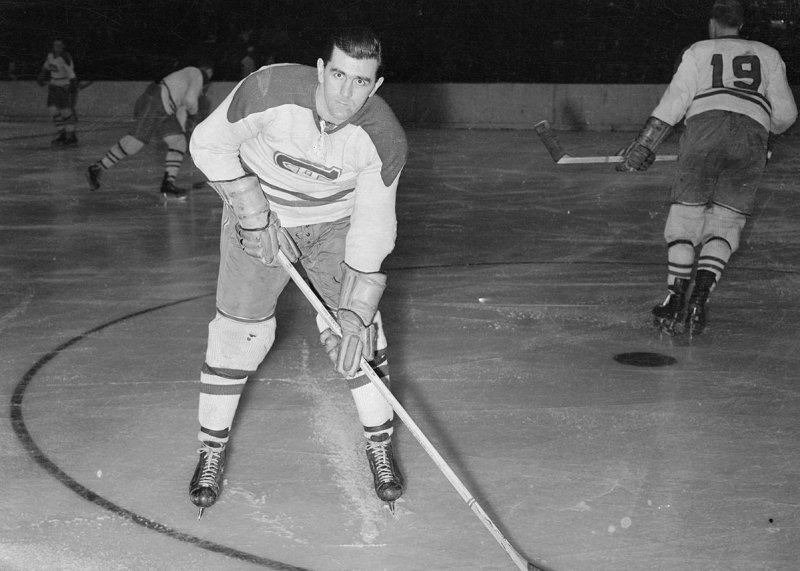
(358, 303)
(258, 230)
(641, 153)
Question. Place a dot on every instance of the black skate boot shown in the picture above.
(93, 176)
(385, 474)
(696, 315)
(71, 140)
(60, 141)
(170, 191)
(207, 480)
(668, 316)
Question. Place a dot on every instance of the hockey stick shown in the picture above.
(312, 297)
(561, 157)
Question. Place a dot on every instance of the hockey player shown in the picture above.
(58, 73)
(306, 159)
(733, 93)
(168, 109)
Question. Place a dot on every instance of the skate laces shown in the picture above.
(212, 464)
(380, 454)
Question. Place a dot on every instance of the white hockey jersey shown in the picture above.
(61, 68)
(730, 74)
(182, 90)
(310, 172)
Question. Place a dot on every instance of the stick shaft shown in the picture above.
(312, 297)
(570, 160)
(561, 157)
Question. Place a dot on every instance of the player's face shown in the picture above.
(58, 48)
(346, 83)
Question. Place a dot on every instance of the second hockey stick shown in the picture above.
(561, 157)
(311, 296)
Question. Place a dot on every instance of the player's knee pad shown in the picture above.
(724, 223)
(238, 345)
(685, 222)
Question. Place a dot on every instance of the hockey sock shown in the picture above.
(220, 391)
(208, 436)
(680, 260)
(173, 163)
(714, 256)
(373, 410)
(58, 122)
(69, 121)
(176, 150)
(379, 433)
(127, 145)
(234, 351)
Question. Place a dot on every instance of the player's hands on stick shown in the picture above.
(641, 153)
(263, 243)
(260, 243)
(258, 229)
(357, 340)
(358, 304)
(636, 157)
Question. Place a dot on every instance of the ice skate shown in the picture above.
(71, 140)
(93, 176)
(207, 479)
(60, 141)
(667, 317)
(170, 191)
(696, 319)
(704, 282)
(386, 475)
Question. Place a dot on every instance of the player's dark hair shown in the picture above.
(729, 13)
(358, 43)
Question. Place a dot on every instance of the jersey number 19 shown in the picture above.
(747, 67)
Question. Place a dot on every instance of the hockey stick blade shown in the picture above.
(561, 157)
(549, 139)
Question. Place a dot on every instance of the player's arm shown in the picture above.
(373, 228)
(373, 223)
(215, 143)
(674, 103)
(784, 108)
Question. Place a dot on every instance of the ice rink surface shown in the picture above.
(514, 284)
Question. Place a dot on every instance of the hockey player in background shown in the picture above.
(58, 73)
(733, 94)
(168, 109)
(306, 159)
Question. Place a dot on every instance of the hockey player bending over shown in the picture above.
(168, 109)
(306, 160)
(733, 93)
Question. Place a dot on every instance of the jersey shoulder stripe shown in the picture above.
(272, 86)
(380, 123)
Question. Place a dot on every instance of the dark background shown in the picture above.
(521, 41)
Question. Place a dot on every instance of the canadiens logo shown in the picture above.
(305, 168)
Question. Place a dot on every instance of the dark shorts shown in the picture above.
(721, 160)
(59, 97)
(248, 290)
(152, 121)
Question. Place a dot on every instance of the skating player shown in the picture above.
(733, 93)
(168, 109)
(58, 73)
(307, 159)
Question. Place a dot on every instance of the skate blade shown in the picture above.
(200, 513)
(390, 505)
